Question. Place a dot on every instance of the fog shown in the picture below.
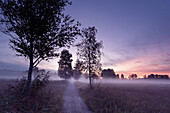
(138, 81)
(83, 79)
(54, 76)
(11, 74)
(125, 81)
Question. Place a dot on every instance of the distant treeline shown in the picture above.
(109, 73)
(156, 76)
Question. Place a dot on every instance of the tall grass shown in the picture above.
(126, 98)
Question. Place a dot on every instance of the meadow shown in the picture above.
(126, 97)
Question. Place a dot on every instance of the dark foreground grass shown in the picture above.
(126, 98)
(48, 99)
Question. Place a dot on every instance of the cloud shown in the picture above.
(155, 61)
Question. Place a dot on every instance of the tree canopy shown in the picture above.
(133, 76)
(78, 69)
(65, 66)
(108, 73)
(37, 28)
(89, 51)
(157, 76)
(37, 23)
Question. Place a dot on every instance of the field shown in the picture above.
(49, 100)
(126, 97)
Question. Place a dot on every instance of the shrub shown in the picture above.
(40, 98)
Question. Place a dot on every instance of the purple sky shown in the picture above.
(135, 35)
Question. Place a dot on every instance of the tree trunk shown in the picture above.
(27, 88)
(90, 70)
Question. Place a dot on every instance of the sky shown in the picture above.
(135, 35)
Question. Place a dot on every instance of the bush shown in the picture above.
(40, 98)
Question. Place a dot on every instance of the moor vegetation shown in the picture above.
(126, 98)
(44, 97)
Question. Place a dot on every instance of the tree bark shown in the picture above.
(27, 87)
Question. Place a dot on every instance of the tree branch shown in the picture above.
(37, 62)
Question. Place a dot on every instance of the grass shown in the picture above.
(58, 88)
(126, 98)
(47, 100)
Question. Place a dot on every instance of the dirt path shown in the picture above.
(73, 103)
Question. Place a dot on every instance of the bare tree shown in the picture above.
(89, 52)
(37, 29)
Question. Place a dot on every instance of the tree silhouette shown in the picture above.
(89, 52)
(108, 73)
(133, 76)
(37, 29)
(144, 77)
(65, 67)
(117, 76)
(122, 76)
(156, 76)
(78, 69)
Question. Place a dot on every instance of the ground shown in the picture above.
(73, 103)
(107, 97)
